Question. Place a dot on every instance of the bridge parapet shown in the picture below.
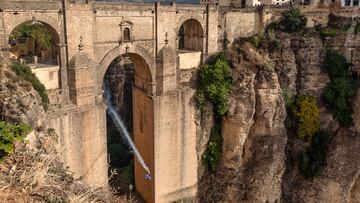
(31, 5)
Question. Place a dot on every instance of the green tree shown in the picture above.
(339, 93)
(292, 20)
(336, 65)
(34, 30)
(215, 84)
(307, 117)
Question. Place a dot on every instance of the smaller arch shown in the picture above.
(126, 34)
(23, 18)
(35, 38)
(186, 17)
(191, 36)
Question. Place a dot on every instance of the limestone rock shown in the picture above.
(254, 135)
(20, 103)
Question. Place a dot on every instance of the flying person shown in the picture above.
(147, 176)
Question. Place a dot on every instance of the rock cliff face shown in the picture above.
(339, 181)
(19, 102)
(253, 132)
(259, 154)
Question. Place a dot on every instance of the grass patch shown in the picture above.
(329, 32)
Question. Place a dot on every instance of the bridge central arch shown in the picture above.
(133, 80)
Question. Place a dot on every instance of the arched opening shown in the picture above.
(126, 34)
(128, 84)
(35, 42)
(191, 36)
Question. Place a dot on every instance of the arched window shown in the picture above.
(181, 37)
(126, 34)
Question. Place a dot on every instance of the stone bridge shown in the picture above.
(165, 43)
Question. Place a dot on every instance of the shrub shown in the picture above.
(24, 72)
(255, 41)
(313, 161)
(215, 83)
(213, 152)
(336, 65)
(338, 95)
(9, 134)
(292, 21)
(289, 97)
(329, 32)
(357, 28)
(307, 116)
(278, 45)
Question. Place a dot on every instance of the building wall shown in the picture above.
(49, 76)
(240, 24)
(189, 60)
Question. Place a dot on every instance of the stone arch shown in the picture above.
(190, 33)
(136, 53)
(23, 18)
(142, 108)
(29, 48)
(186, 17)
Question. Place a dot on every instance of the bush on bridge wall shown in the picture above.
(9, 134)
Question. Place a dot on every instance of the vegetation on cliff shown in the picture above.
(214, 85)
(304, 120)
(307, 115)
(291, 21)
(357, 28)
(313, 161)
(213, 152)
(339, 94)
(25, 73)
(9, 134)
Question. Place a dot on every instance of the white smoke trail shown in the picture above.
(122, 128)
